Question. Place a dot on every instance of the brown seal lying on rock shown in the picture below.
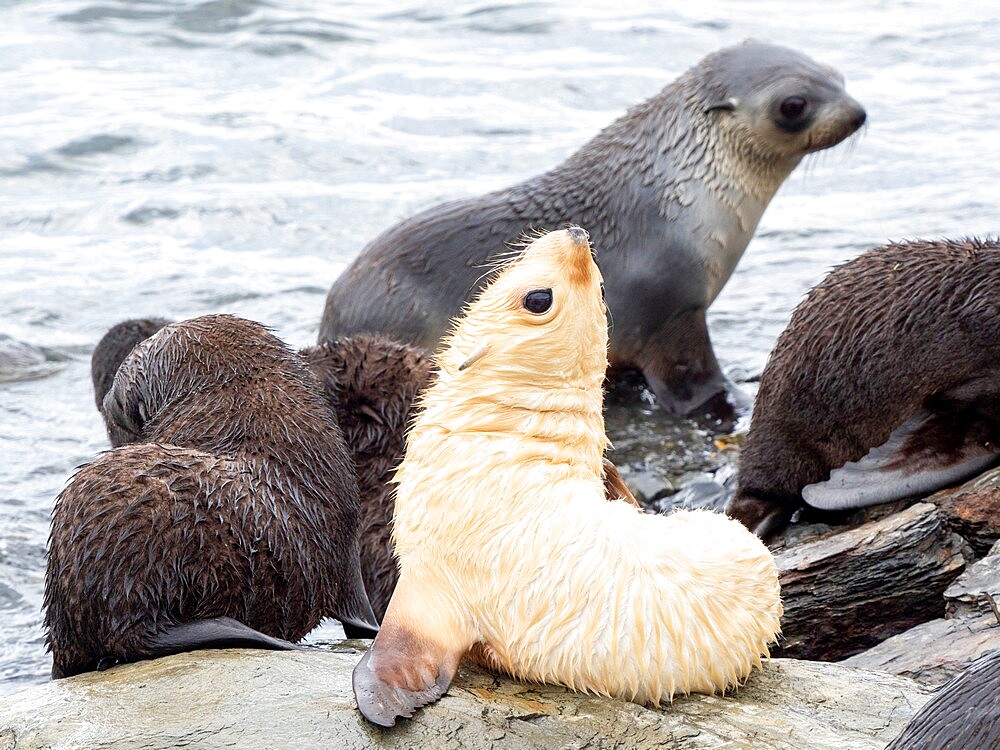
(233, 522)
(506, 544)
(370, 383)
(884, 385)
(671, 192)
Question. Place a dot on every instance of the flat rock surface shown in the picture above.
(258, 699)
(968, 592)
(933, 652)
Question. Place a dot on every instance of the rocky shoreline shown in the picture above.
(275, 700)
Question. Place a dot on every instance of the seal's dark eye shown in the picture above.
(538, 301)
(793, 107)
(602, 292)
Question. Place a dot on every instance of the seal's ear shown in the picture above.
(729, 105)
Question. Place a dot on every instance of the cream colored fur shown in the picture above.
(503, 532)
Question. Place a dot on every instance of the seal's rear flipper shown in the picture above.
(917, 459)
(218, 632)
(353, 608)
(415, 656)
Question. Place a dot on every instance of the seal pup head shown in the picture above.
(112, 349)
(519, 322)
(535, 340)
(775, 102)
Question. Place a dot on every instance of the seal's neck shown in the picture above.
(483, 442)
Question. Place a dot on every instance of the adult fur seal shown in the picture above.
(884, 385)
(671, 192)
(505, 541)
(963, 715)
(371, 384)
(233, 521)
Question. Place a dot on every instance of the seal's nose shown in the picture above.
(578, 234)
(859, 116)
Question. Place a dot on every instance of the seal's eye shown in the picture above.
(538, 301)
(793, 107)
(602, 292)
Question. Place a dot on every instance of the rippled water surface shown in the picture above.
(179, 158)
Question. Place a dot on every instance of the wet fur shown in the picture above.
(507, 545)
(112, 349)
(232, 496)
(908, 326)
(671, 193)
(370, 383)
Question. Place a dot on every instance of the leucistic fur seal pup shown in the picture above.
(233, 523)
(671, 192)
(884, 385)
(506, 543)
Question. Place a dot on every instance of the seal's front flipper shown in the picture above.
(415, 655)
(392, 684)
(218, 632)
(928, 452)
(681, 369)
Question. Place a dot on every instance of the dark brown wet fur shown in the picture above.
(906, 326)
(963, 715)
(656, 200)
(235, 499)
(114, 346)
(371, 384)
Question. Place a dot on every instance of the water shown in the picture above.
(180, 158)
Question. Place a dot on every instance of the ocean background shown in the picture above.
(182, 158)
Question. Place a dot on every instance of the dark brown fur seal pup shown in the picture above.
(884, 385)
(671, 193)
(963, 715)
(234, 524)
(371, 383)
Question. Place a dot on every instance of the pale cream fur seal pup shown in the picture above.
(505, 541)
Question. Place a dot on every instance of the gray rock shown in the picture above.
(973, 509)
(257, 699)
(647, 486)
(967, 595)
(933, 652)
(847, 591)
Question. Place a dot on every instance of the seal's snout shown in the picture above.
(859, 116)
(579, 235)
